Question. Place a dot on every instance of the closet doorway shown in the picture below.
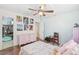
(7, 32)
(37, 30)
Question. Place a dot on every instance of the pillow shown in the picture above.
(72, 51)
(67, 46)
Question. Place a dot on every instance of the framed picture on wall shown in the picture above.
(31, 27)
(19, 27)
(25, 20)
(31, 21)
(18, 18)
(25, 27)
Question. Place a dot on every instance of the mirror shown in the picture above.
(7, 29)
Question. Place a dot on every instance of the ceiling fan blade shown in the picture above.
(49, 11)
(32, 9)
(35, 14)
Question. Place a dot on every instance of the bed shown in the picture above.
(69, 48)
(37, 48)
(41, 48)
(72, 46)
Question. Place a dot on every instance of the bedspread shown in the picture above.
(37, 48)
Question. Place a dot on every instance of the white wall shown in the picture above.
(62, 23)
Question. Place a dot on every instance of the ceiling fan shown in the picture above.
(41, 11)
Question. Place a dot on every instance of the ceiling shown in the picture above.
(23, 8)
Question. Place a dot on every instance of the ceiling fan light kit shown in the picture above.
(41, 11)
(41, 14)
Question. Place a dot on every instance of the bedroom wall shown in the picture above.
(62, 23)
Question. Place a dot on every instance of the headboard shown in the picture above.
(76, 34)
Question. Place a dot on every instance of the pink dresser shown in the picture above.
(76, 34)
(26, 38)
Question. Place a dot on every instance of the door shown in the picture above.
(0, 33)
(41, 30)
(37, 30)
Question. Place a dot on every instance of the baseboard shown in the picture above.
(26, 43)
